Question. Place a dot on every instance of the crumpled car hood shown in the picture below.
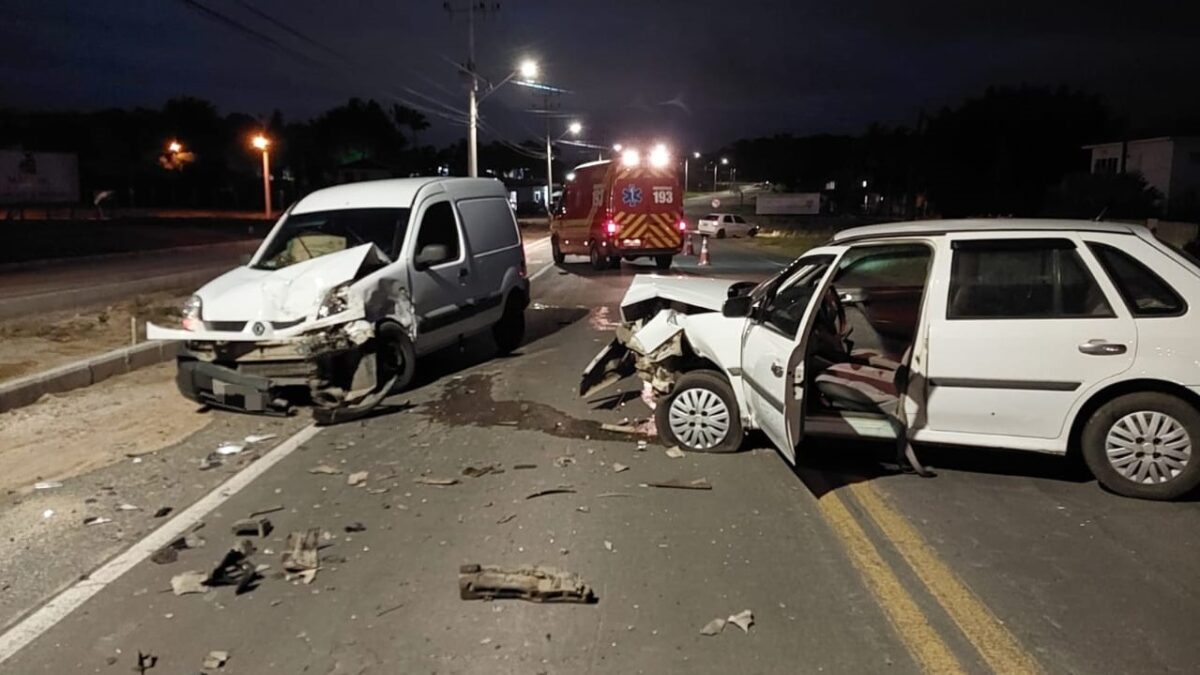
(701, 293)
(288, 294)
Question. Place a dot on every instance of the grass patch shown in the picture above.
(790, 243)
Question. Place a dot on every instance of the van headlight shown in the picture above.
(335, 302)
(190, 313)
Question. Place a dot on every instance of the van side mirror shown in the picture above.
(737, 306)
(430, 255)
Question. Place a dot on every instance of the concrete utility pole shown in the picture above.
(471, 7)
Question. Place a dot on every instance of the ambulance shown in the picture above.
(630, 207)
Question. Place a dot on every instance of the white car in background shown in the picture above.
(721, 225)
(1039, 335)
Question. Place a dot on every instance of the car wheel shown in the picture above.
(721, 233)
(509, 331)
(663, 262)
(1144, 445)
(396, 361)
(556, 252)
(599, 261)
(700, 414)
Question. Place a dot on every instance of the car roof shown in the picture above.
(927, 227)
(394, 193)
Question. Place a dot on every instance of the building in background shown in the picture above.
(1169, 164)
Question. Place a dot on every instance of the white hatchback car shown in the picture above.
(1038, 335)
(721, 225)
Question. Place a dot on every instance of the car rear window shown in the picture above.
(1022, 279)
(489, 223)
(1144, 292)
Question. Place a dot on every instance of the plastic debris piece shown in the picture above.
(533, 583)
(216, 659)
(641, 446)
(189, 582)
(226, 449)
(551, 491)
(564, 461)
(476, 472)
(506, 519)
(252, 527)
(436, 482)
(96, 520)
(713, 627)
(743, 619)
(265, 510)
(582, 509)
(619, 428)
(325, 469)
(518, 467)
(698, 484)
(608, 545)
(165, 555)
(302, 558)
(163, 511)
(674, 452)
(47, 485)
(355, 527)
(604, 495)
(619, 467)
(257, 438)
(376, 491)
(128, 507)
(145, 662)
(212, 461)
(357, 478)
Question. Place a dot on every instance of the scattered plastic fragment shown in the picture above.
(302, 559)
(713, 627)
(189, 582)
(325, 469)
(534, 583)
(551, 491)
(506, 519)
(674, 452)
(216, 659)
(96, 520)
(235, 569)
(619, 467)
(265, 510)
(582, 509)
(47, 485)
(256, 527)
(212, 461)
(355, 527)
(743, 619)
(564, 461)
(128, 507)
(608, 545)
(605, 495)
(476, 472)
(518, 467)
(437, 482)
(357, 478)
(257, 438)
(145, 662)
(619, 428)
(163, 511)
(698, 484)
(641, 446)
(230, 449)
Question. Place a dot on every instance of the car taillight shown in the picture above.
(683, 226)
(611, 227)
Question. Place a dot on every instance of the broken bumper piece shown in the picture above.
(533, 583)
(222, 387)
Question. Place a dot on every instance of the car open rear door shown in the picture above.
(774, 345)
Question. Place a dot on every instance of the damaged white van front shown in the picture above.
(350, 286)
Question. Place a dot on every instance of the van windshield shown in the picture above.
(305, 236)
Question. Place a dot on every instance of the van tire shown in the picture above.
(509, 331)
(721, 233)
(706, 383)
(397, 359)
(599, 261)
(663, 262)
(556, 252)
(1094, 442)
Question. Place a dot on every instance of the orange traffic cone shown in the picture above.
(691, 245)
(704, 252)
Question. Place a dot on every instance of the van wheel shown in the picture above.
(721, 233)
(663, 262)
(599, 261)
(1144, 445)
(396, 361)
(700, 414)
(556, 252)
(509, 331)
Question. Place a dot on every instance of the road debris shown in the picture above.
(165, 555)
(265, 510)
(564, 461)
(698, 484)
(674, 452)
(388, 610)
(128, 507)
(257, 438)
(518, 467)
(47, 485)
(145, 662)
(302, 560)
(551, 491)
(163, 511)
(608, 545)
(215, 659)
(506, 519)
(533, 583)
(619, 428)
(212, 461)
(619, 467)
(357, 478)
(189, 582)
(226, 449)
(743, 619)
(473, 472)
(235, 570)
(355, 527)
(436, 482)
(583, 509)
(325, 469)
(641, 446)
(96, 520)
(170, 552)
(252, 527)
(605, 495)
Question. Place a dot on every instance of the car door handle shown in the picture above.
(1101, 347)
(776, 369)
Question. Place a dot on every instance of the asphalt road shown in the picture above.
(1001, 563)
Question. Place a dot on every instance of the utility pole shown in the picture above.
(471, 7)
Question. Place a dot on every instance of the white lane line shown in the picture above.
(69, 600)
(543, 270)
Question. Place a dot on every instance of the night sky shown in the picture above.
(701, 73)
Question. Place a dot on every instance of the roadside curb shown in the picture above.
(27, 390)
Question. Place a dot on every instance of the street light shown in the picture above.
(695, 155)
(262, 143)
(527, 69)
(174, 147)
(573, 128)
(617, 147)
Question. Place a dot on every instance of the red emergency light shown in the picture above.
(683, 226)
(611, 227)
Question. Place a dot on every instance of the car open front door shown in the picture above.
(774, 343)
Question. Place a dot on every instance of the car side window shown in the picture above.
(738, 219)
(784, 309)
(439, 227)
(1022, 279)
(883, 267)
(1144, 292)
(728, 219)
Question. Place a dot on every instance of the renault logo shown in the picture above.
(258, 328)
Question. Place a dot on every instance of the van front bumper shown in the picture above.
(220, 386)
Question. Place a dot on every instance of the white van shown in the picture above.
(350, 286)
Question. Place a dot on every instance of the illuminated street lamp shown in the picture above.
(174, 147)
(716, 165)
(695, 155)
(573, 128)
(527, 70)
(262, 143)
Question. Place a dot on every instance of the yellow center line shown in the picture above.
(998, 647)
(927, 647)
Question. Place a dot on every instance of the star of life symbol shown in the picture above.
(631, 195)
